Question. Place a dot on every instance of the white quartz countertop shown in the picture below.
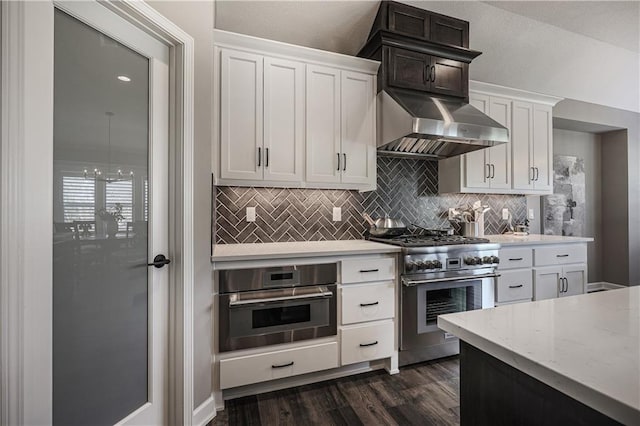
(586, 346)
(261, 251)
(535, 239)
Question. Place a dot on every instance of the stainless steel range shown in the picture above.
(440, 274)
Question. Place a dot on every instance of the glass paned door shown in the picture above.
(105, 309)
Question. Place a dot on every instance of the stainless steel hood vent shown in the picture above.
(416, 124)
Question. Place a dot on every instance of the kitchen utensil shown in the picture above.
(470, 229)
(385, 227)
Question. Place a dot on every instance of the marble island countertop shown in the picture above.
(535, 239)
(586, 346)
(261, 251)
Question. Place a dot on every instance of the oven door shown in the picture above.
(267, 317)
(422, 302)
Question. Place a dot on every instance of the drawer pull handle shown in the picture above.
(369, 304)
(562, 255)
(369, 270)
(516, 286)
(364, 345)
(283, 365)
(515, 259)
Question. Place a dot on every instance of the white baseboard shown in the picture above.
(602, 285)
(205, 412)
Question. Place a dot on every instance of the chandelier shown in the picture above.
(108, 176)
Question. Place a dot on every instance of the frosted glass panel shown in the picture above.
(100, 277)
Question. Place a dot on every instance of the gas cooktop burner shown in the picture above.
(412, 240)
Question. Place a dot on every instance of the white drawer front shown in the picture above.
(363, 270)
(511, 258)
(276, 365)
(368, 302)
(514, 285)
(558, 255)
(367, 342)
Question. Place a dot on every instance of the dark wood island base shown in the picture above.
(495, 393)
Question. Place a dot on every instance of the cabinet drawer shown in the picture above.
(514, 285)
(558, 255)
(368, 302)
(367, 342)
(511, 258)
(362, 270)
(276, 365)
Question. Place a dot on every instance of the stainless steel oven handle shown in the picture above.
(411, 283)
(321, 295)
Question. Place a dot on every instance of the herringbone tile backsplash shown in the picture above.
(407, 189)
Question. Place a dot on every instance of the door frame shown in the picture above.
(26, 172)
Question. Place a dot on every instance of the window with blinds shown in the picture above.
(78, 198)
(120, 192)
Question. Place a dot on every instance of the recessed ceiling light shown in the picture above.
(124, 78)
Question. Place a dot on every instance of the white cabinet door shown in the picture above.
(476, 163)
(358, 128)
(323, 125)
(576, 280)
(546, 282)
(500, 155)
(521, 140)
(542, 147)
(241, 117)
(283, 120)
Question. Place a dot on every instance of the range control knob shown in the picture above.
(410, 266)
(470, 260)
(495, 259)
(478, 260)
(429, 264)
(437, 264)
(487, 259)
(419, 264)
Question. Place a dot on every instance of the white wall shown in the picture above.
(196, 18)
(526, 54)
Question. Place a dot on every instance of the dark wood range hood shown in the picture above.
(423, 85)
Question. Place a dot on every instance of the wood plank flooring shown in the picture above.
(421, 394)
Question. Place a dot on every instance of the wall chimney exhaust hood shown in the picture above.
(423, 85)
(414, 124)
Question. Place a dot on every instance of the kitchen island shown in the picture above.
(573, 360)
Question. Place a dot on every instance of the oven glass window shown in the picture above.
(451, 300)
(281, 315)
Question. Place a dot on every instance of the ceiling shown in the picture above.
(342, 26)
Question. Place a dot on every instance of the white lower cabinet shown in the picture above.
(367, 342)
(559, 281)
(516, 285)
(368, 302)
(257, 368)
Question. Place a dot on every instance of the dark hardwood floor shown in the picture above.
(421, 394)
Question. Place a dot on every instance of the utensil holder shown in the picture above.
(470, 229)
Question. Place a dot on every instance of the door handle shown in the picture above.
(344, 166)
(259, 156)
(516, 286)
(159, 261)
(433, 73)
(488, 167)
(533, 174)
(338, 154)
(493, 171)
(426, 76)
(369, 304)
(364, 345)
(266, 157)
(566, 284)
(289, 364)
(537, 174)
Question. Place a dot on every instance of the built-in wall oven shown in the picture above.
(267, 306)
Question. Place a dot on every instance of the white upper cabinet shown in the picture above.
(283, 120)
(524, 165)
(241, 118)
(323, 124)
(290, 116)
(532, 147)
